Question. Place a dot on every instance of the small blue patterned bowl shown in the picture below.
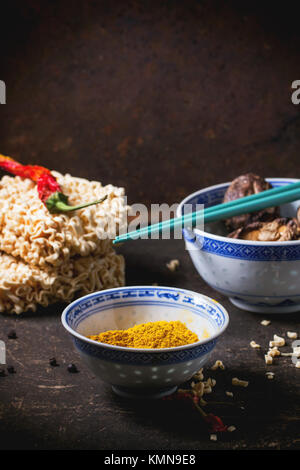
(144, 372)
(262, 277)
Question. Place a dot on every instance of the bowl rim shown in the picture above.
(143, 350)
(236, 241)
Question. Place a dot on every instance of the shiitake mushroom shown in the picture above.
(245, 185)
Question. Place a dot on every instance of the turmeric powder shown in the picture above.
(152, 335)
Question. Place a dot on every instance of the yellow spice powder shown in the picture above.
(154, 335)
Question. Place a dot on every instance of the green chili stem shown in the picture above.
(58, 202)
(61, 206)
(200, 409)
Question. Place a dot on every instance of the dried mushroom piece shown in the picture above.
(281, 229)
(245, 185)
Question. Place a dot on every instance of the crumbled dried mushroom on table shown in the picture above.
(270, 375)
(218, 365)
(173, 265)
(265, 322)
(239, 383)
(274, 351)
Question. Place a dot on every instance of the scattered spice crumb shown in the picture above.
(199, 375)
(254, 345)
(273, 352)
(270, 375)
(239, 383)
(268, 359)
(213, 382)
(231, 428)
(12, 334)
(173, 264)
(218, 365)
(265, 322)
(72, 369)
(278, 341)
(198, 389)
(292, 335)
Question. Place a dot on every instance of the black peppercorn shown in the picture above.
(72, 369)
(11, 370)
(2, 373)
(12, 334)
(53, 362)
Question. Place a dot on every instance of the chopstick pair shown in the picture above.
(255, 202)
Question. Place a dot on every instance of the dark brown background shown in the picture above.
(162, 97)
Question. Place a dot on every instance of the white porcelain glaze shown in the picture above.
(144, 372)
(256, 276)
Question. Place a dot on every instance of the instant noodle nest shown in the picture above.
(23, 287)
(44, 257)
(29, 231)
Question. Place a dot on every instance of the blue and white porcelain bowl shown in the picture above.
(256, 276)
(144, 372)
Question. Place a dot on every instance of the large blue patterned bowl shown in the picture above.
(256, 276)
(144, 372)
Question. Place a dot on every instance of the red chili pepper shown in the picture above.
(215, 423)
(48, 188)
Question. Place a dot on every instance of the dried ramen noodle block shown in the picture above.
(29, 231)
(23, 287)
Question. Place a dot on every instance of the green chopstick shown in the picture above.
(252, 203)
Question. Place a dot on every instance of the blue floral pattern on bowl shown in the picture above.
(151, 372)
(257, 276)
(140, 358)
(239, 250)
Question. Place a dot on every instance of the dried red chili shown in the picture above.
(48, 188)
(215, 423)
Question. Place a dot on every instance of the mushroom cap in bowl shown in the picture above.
(258, 276)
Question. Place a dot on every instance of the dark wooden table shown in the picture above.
(163, 98)
(47, 407)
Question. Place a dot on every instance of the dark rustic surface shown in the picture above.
(47, 407)
(163, 98)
